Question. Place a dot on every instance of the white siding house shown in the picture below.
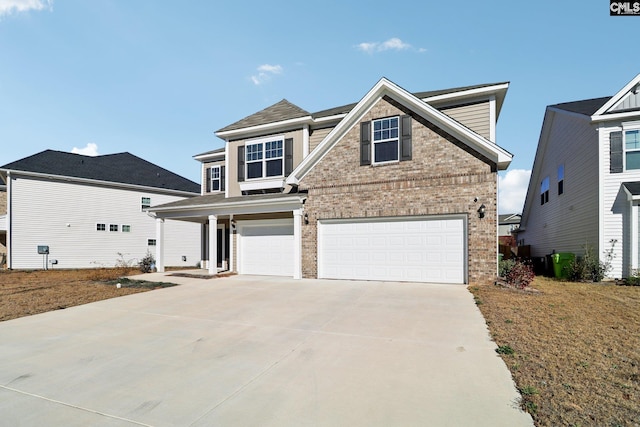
(90, 222)
(579, 197)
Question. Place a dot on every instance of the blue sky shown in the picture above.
(158, 78)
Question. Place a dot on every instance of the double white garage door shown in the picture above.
(412, 249)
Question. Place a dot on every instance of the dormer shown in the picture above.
(213, 175)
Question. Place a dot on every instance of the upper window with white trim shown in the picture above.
(145, 203)
(632, 149)
(215, 178)
(265, 159)
(385, 140)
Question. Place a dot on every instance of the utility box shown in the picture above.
(43, 250)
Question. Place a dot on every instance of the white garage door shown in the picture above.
(266, 247)
(417, 249)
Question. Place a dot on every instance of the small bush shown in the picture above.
(147, 264)
(505, 266)
(520, 275)
(587, 268)
(634, 279)
(505, 349)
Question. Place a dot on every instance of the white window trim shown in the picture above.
(625, 129)
(264, 159)
(219, 179)
(143, 206)
(374, 142)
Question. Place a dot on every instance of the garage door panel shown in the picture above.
(266, 249)
(415, 249)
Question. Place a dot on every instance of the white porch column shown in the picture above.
(633, 230)
(232, 231)
(160, 245)
(297, 243)
(213, 244)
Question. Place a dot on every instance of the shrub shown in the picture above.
(520, 275)
(148, 263)
(505, 266)
(634, 279)
(588, 267)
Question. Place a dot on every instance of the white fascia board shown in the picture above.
(99, 182)
(335, 117)
(210, 157)
(615, 98)
(281, 204)
(260, 129)
(615, 116)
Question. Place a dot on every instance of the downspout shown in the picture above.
(9, 223)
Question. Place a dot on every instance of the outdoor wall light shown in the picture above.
(306, 218)
(233, 224)
(481, 210)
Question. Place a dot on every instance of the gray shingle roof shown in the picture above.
(123, 168)
(587, 107)
(283, 110)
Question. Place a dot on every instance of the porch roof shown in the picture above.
(218, 204)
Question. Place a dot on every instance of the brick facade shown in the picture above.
(444, 177)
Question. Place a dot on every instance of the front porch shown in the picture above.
(258, 234)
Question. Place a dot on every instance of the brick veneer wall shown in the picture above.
(444, 177)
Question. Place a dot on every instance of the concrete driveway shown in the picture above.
(259, 351)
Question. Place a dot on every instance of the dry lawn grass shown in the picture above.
(23, 293)
(576, 349)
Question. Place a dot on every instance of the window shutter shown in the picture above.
(615, 151)
(241, 163)
(365, 143)
(405, 144)
(208, 184)
(288, 156)
(223, 178)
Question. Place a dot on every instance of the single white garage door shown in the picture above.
(411, 249)
(266, 247)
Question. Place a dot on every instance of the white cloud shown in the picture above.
(512, 190)
(7, 7)
(90, 150)
(265, 72)
(393, 43)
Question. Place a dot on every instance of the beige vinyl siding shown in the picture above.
(316, 137)
(474, 116)
(615, 220)
(569, 221)
(63, 215)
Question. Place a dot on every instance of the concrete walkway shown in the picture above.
(259, 351)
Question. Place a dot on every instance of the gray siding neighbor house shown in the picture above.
(585, 183)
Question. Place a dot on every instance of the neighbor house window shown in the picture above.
(113, 227)
(544, 191)
(101, 227)
(632, 149)
(560, 179)
(126, 228)
(146, 202)
(151, 242)
(385, 140)
(265, 159)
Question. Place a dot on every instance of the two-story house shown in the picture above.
(398, 186)
(585, 183)
(3, 225)
(66, 210)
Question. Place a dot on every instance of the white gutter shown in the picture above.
(97, 181)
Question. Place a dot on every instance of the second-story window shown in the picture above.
(215, 178)
(385, 140)
(265, 159)
(560, 179)
(544, 191)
